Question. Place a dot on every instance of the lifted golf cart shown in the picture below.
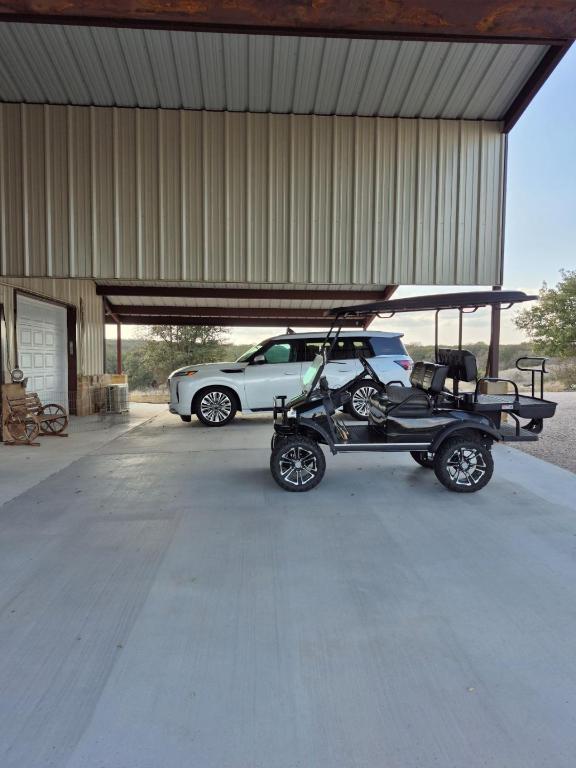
(448, 430)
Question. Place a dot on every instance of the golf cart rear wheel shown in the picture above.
(215, 407)
(423, 458)
(297, 464)
(360, 394)
(463, 465)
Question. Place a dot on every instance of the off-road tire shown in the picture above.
(463, 464)
(284, 468)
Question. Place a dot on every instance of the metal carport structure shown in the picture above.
(257, 164)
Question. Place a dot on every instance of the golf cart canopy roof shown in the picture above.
(469, 300)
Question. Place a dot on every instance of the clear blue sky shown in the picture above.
(541, 196)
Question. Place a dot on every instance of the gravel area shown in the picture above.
(557, 443)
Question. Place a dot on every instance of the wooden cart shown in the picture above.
(27, 418)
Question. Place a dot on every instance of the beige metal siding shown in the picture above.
(205, 196)
(89, 315)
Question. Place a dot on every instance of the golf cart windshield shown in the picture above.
(311, 374)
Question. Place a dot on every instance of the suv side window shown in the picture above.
(310, 349)
(388, 345)
(351, 349)
(281, 352)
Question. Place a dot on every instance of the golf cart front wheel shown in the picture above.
(423, 458)
(463, 465)
(297, 464)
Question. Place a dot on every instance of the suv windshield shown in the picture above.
(252, 351)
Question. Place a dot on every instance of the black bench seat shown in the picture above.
(427, 380)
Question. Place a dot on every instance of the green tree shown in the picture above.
(551, 324)
(167, 347)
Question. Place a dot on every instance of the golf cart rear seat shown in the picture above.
(460, 363)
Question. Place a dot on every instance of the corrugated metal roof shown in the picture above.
(261, 73)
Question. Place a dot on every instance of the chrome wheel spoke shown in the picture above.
(466, 466)
(361, 400)
(298, 466)
(216, 407)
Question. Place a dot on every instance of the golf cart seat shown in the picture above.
(427, 381)
(427, 378)
(461, 364)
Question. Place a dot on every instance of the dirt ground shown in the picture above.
(557, 442)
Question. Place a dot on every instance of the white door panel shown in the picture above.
(339, 372)
(264, 381)
(42, 336)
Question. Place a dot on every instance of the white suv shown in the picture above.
(216, 391)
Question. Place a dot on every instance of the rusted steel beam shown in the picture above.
(486, 20)
(493, 362)
(118, 347)
(304, 322)
(549, 62)
(109, 310)
(225, 312)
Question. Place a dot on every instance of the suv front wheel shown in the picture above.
(360, 395)
(215, 406)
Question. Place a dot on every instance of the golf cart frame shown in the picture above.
(448, 430)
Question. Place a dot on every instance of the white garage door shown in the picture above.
(42, 335)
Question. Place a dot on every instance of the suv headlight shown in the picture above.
(184, 373)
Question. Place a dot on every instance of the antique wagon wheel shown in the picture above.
(22, 428)
(58, 419)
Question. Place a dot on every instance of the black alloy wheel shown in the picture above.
(297, 464)
(463, 465)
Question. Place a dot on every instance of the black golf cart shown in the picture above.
(450, 430)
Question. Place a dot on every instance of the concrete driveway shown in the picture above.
(165, 605)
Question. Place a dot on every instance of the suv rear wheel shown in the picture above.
(215, 406)
(360, 394)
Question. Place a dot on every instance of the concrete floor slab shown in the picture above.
(164, 603)
(22, 467)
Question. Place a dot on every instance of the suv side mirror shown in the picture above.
(258, 359)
